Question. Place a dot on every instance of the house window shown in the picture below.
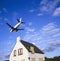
(14, 52)
(20, 51)
(33, 59)
(40, 59)
(29, 58)
(32, 49)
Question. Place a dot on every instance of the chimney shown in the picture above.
(18, 38)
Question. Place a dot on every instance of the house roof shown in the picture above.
(28, 45)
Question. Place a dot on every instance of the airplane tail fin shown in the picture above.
(19, 20)
(23, 22)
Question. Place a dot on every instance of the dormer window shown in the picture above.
(14, 52)
(20, 51)
(32, 49)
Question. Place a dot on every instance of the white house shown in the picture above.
(25, 51)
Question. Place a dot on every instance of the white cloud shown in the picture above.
(56, 12)
(30, 29)
(49, 49)
(39, 14)
(56, 35)
(5, 10)
(45, 7)
(50, 28)
(52, 31)
(51, 46)
(2, 56)
(55, 44)
(43, 2)
(48, 6)
(32, 10)
(6, 19)
(30, 23)
(30, 34)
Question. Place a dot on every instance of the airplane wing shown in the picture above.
(9, 25)
(18, 29)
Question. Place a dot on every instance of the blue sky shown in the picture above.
(42, 25)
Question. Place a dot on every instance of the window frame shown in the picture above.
(20, 51)
(14, 53)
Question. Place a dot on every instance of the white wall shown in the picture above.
(36, 56)
(20, 57)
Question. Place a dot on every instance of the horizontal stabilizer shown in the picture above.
(19, 29)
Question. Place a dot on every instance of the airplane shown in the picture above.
(16, 26)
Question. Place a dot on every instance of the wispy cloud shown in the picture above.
(7, 56)
(30, 23)
(55, 44)
(32, 10)
(5, 10)
(4, 56)
(57, 12)
(50, 28)
(30, 29)
(44, 36)
(56, 35)
(48, 6)
(39, 14)
(52, 46)
(49, 49)
(1, 56)
(6, 19)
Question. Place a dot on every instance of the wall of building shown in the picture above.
(36, 57)
(23, 57)
(26, 56)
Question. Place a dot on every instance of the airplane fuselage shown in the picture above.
(16, 26)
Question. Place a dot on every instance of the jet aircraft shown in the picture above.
(16, 26)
